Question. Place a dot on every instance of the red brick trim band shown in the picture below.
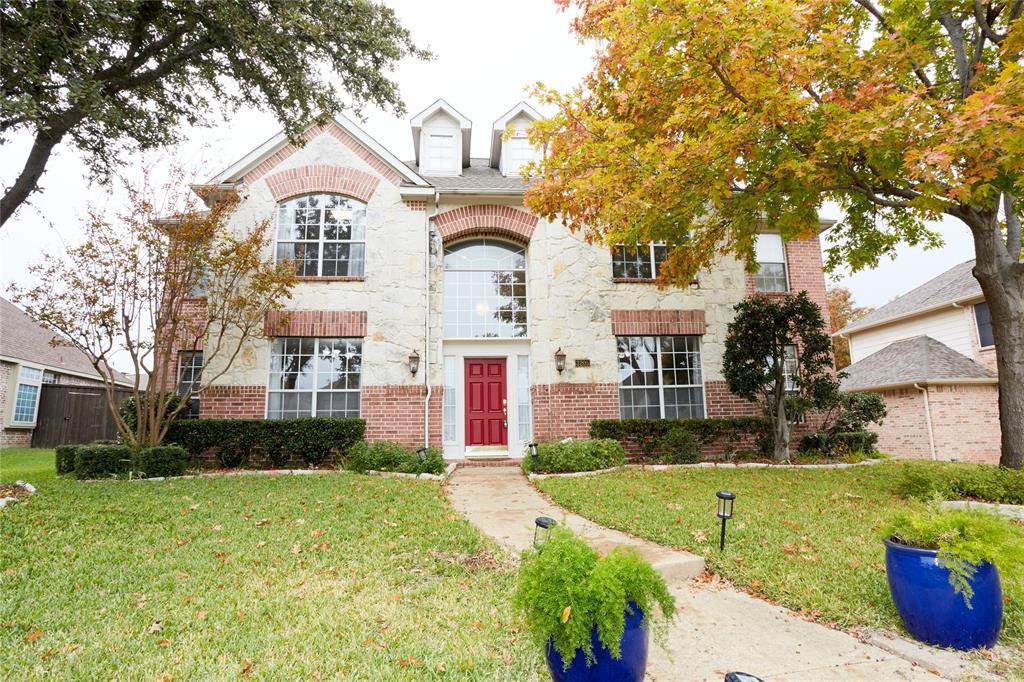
(335, 131)
(657, 322)
(394, 412)
(233, 402)
(321, 323)
(321, 178)
(486, 220)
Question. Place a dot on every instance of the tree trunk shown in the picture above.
(1001, 276)
(28, 180)
(781, 429)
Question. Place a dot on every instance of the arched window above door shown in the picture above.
(485, 290)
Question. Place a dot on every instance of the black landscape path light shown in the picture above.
(542, 530)
(725, 500)
(422, 452)
(533, 450)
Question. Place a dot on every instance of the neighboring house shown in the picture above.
(28, 362)
(931, 354)
(437, 308)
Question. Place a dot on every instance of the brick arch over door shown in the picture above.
(322, 178)
(486, 220)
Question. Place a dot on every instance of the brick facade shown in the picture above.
(233, 402)
(395, 413)
(658, 322)
(319, 323)
(484, 220)
(566, 410)
(804, 268)
(10, 438)
(322, 178)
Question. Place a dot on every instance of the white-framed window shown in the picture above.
(523, 404)
(50, 377)
(518, 152)
(642, 261)
(441, 154)
(983, 318)
(314, 377)
(190, 376)
(660, 377)
(26, 396)
(450, 396)
(484, 290)
(771, 275)
(324, 234)
(790, 369)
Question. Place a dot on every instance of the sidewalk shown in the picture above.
(717, 629)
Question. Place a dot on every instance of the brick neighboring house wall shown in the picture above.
(566, 410)
(395, 413)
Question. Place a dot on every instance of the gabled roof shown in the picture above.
(24, 339)
(917, 360)
(502, 123)
(465, 125)
(956, 285)
(477, 178)
(237, 170)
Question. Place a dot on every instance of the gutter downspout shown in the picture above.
(928, 416)
(428, 217)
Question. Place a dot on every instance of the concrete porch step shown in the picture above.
(487, 462)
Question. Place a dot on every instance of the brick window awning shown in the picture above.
(658, 322)
(482, 220)
(319, 323)
(321, 178)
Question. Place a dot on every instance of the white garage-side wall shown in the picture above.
(950, 326)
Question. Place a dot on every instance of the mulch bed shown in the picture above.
(13, 490)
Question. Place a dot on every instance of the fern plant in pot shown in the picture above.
(593, 616)
(943, 568)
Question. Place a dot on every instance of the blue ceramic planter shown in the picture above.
(629, 668)
(932, 610)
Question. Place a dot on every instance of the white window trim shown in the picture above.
(662, 386)
(655, 267)
(526, 269)
(320, 242)
(14, 386)
(785, 268)
(314, 391)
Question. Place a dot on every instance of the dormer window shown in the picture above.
(510, 146)
(517, 152)
(441, 154)
(441, 137)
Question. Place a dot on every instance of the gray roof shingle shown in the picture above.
(23, 338)
(915, 360)
(478, 176)
(955, 284)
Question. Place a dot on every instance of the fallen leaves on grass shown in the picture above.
(33, 635)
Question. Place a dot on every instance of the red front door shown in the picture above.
(486, 406)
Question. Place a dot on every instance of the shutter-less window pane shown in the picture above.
(660, 377)
(642, 261)
(983, 316)
(771, 261)
(324, 235)
(523, 405)
(314, 377)
(190, 371)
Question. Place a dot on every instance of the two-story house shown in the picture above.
(931, 354)
(432, 304)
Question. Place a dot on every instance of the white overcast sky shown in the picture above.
(487, 53)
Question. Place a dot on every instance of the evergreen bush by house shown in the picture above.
(388, 456)
(64, 458)
(647, 434)
(565, 590)
(102, 461)
(575, 455)
(678, 446)
(161, 461)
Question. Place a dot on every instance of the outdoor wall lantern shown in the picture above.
(542, 530)
(559, 360)
(725, 500)
(422, 452)
(414, 362)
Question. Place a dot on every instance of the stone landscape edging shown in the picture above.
(1013, 511)
(282, 472)
(25, 485)
(705, 465)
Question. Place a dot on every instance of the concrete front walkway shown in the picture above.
(717, 629)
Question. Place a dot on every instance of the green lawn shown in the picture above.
(291, 577)
(807, 539)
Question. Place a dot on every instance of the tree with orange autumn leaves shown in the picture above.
(702, 123)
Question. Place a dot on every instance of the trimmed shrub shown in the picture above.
(388, 456)
(64, 458)
(101, 461)
(163, 460)
(678, 446)
(576, 455)
(952, 480)
(647, 434)
(839, 444)
(311, 439)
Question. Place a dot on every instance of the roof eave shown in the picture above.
(921, 382)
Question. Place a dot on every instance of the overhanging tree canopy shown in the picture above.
(704, 122)
(125, 74)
